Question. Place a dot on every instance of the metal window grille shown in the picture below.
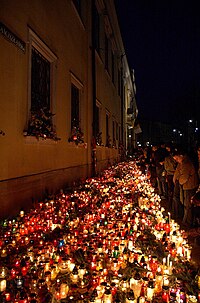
(74, 106)
(40, 81)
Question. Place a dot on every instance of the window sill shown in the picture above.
(34, 140)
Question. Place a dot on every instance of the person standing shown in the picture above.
(159, 155)
(170, 167)
(187, 177)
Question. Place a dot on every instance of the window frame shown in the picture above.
(113, 66)
(79, 85)
(44, 50)
(114, 131)
(108, 130)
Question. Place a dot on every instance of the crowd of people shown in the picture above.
(175, 174)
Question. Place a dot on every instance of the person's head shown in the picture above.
(169, 147)
(162, 145)
(179, 154)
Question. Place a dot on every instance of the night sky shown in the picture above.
(162, 43)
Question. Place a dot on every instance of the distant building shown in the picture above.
(65, 90)
(155, 132)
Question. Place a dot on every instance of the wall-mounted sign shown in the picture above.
(12, 37)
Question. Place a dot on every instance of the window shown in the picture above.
(108, 140)
(42, 62)
(106, 52)
(75, 100)
(114, 141)
(76, 133)
(117, 131)
(41, 90)
(119, 82)
(40, 81)
(98, 132)
(113, 67)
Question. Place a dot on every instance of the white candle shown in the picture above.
(169, 217)
(168, 259)
(164, 261)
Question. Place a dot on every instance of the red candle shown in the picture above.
(165, 294)
(13, 273)
(167, 228)
(17, 263)
(7, 296)
(24, 271)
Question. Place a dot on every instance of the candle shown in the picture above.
(169, 217)
(64, 288)
(2, 284)
(19, 281)
(168, 259)
(150, 290)
(165, 294)
(107, 297)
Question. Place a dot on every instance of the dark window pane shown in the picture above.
(117, 134)
(106, 52)
(40, 81)
(119, 82)
(113, 68)
(97, 120)
(113, 130)
(74, 106)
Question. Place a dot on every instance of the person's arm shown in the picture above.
(176, 173)
(185, 174)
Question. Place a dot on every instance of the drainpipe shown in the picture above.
(122, 102)
(94, 159)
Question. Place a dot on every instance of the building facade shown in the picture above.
(65, 89)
